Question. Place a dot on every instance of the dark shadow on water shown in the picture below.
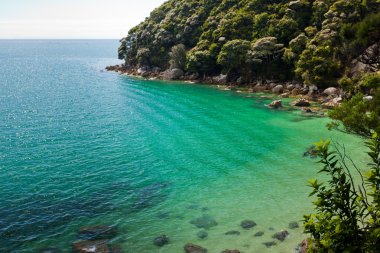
(39, 216)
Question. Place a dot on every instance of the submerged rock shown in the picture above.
(281, 235)
(163, 215)
(311, 152)
(116, 249)
(276, 104)
(193, 207)
(192, 248)
(98, 246)
(161, 240)
(269, 244)
(149, 196)
(248, 224)
(259, 234)
(230, 251)
(50, 250)
(232, 232)
(293, 225)
(205, 221)
(202, 234)
(97, 232)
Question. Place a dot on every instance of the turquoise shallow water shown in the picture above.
(80, 146)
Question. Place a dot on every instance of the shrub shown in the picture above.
(347, 216)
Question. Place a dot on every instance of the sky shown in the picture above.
(71, 19)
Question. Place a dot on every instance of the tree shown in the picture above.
(233, 55)
(347, 217)
(143, 55)
(358, 115)
(178, 57)
(199, 61)
(263, 53)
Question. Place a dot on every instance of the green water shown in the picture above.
(84, 147)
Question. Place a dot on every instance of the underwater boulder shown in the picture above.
(97, 232)
(281, 235)
(98, 246)
(248, 224)
(205, 221)
(232, 232)
(192, 248)
(202, 234)
(161, 240)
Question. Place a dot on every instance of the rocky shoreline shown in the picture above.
(309, 99)
(100, 238)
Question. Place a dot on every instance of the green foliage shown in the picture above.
(319, 37)
(200, 61)
(359, 115)
(347, 217)
(233, 54)
(178, 57)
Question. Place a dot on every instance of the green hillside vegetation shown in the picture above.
(309, 40)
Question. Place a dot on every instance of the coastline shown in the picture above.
(308, 99)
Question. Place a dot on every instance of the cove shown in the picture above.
(80, 146)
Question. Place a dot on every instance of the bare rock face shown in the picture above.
(276, 104)
(368, 61)
(192, 248)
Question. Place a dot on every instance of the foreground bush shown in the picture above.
(347, 210)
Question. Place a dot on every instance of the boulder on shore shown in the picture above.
(301, 103)
(172, 74)
(336, 102)
(332, 91)
(192, 248)
(278, 89)
(276, 104)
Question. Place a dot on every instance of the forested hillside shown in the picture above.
(314, 41)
